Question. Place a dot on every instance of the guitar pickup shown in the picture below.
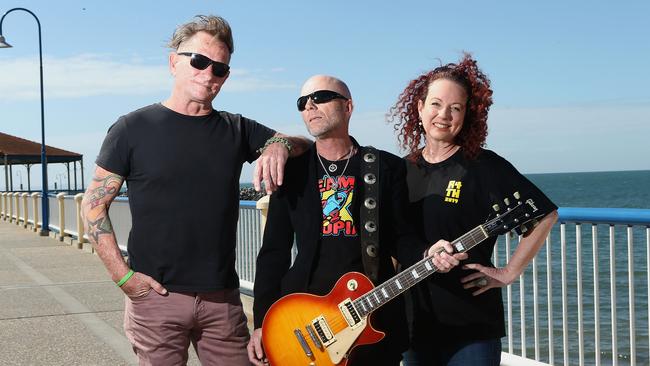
(303, 343)
(313, 336)
(323, 331)
(350, 313)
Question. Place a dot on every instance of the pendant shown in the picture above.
(332, 168)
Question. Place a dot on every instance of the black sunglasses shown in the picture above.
(200, 62)
(318, 97)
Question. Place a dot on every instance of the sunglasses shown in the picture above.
(318, 97)
(200, 62)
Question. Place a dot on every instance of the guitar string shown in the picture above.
(476, 235)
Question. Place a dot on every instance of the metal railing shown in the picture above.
(584, 299)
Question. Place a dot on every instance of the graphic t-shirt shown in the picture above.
(448, 199)
(339, 247)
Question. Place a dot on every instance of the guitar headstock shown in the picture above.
(517, 215)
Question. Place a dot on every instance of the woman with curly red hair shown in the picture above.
(441, 120)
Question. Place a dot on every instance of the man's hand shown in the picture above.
(255, 350)
(140, 284)
(442, 255)
(270, 167)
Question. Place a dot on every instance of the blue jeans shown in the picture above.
(475, 353)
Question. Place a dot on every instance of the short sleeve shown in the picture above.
(505, 180)
(114, 154)
(255, 134)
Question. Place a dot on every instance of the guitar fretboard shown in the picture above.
(409, 277)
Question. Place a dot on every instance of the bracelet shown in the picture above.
(125, 278)
(273, 140)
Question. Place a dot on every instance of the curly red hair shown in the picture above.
(406, 120)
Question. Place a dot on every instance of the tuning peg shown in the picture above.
(506, 201)
(520, 230)
(516, 195)
(495, 207)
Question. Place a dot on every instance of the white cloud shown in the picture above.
(91, 75)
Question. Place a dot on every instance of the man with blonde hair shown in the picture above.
(182, 160)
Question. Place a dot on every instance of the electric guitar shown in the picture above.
(304, 329)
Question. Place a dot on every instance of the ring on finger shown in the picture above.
(481, 282)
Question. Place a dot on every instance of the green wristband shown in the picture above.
(125, 278)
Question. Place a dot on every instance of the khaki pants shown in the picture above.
(160, 328)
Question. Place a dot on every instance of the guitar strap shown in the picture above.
(370, 212)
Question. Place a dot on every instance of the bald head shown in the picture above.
(325, 82)
(327, 116)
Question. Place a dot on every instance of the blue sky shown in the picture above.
(570, 78)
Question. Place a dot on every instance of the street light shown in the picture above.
(45, 227)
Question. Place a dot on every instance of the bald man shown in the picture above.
(319, 205)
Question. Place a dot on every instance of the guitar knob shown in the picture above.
(352, 285)
(506, 201)
(516, 195)
(495, 207)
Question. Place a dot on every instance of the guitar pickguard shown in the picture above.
(344, 341)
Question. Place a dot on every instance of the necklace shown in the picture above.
(333, 167)
(434, 159)
(335, 184)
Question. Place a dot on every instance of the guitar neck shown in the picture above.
(409, 277)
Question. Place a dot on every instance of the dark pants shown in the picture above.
(475, 353)
(373, 355)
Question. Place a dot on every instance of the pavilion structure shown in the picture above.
(18, 151)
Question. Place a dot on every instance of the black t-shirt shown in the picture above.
(339, 249)
(182, 174)
(448, 199)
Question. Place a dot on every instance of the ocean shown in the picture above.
(626, 189)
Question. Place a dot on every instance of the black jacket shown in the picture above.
(295, 209)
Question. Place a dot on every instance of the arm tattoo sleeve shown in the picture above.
(110, 184)
(100, 226)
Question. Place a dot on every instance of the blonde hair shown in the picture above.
(212, 24)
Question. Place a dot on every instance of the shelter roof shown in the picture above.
(17, 150)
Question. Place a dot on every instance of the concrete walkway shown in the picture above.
(58, 305)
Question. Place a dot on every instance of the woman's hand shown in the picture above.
(485, 278)
(443, 256)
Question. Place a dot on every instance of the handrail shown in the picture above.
(623, 216)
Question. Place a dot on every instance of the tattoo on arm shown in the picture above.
(99, 195)
(110, 185)
(98, 227)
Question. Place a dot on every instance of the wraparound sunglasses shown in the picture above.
(318, 97)
(200, 62)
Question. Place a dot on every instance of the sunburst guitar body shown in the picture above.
(304, 329)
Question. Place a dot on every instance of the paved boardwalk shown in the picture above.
(58, 305)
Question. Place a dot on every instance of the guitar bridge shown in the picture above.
(323, 331)
(350, 313)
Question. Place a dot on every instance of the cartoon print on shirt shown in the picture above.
(337, 206)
